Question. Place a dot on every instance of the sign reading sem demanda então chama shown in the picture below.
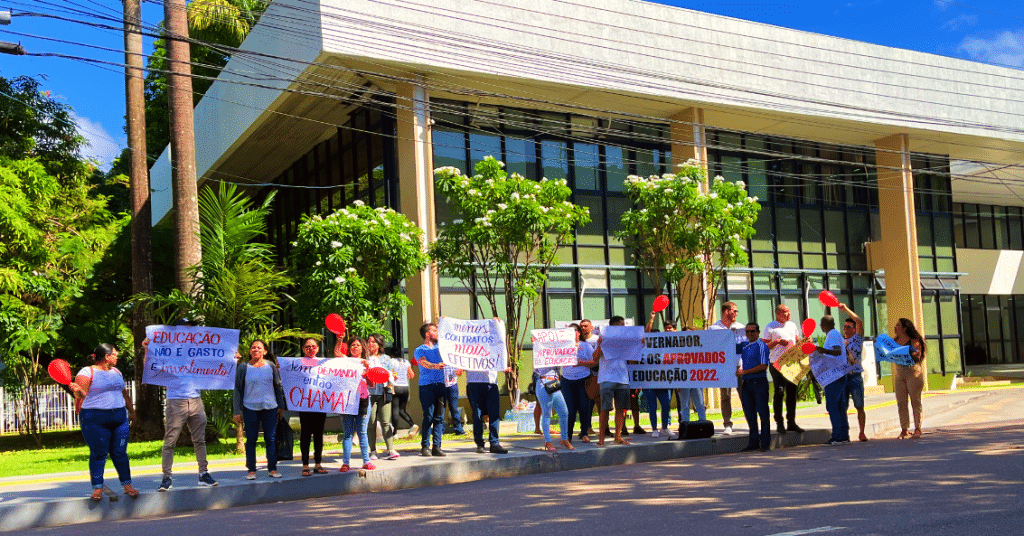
(472, 344)
(191, 355)
(322, 385)
(680, 359)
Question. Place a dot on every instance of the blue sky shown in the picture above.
(990, 31)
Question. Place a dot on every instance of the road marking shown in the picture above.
(807, 531)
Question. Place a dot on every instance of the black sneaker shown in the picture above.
(480, 449)
(834, 442)
(436, 451)
(206, 480)
(749, 448)
(780, 429)
(498, 449)
(165, 484)
(765, 449)
(795, 428)
(424, 451)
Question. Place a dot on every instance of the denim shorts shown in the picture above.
(617, 393)
(855, 389)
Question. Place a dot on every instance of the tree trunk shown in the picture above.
(183, 149)
(147, 397)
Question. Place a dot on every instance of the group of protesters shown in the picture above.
(570, 391)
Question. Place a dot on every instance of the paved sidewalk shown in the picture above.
(59, 499)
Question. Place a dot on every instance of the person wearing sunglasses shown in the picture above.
(754, 361)
(311, 424)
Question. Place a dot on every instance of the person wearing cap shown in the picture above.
(183, 407)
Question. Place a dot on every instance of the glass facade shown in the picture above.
(993, 324)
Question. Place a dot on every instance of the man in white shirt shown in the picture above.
(728, 321)
(780, 335)
(614, 379)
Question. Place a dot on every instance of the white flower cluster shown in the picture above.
(449, 169)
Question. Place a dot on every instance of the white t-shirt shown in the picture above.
(776, 330)
(105, 391)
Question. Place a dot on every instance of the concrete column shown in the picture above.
(416, 199)
(689, 141)
(898, 220)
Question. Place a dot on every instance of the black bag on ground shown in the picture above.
(696, 430)
(285, 438)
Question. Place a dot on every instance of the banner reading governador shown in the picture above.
(191, 355)
(682, 359)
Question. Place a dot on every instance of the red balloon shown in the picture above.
(60, 371)
(809, 347)
(336, 324)
(660, 303)
(809, 326)
(828, 299)
(378, 375)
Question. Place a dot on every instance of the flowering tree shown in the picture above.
(688, 232)
(505, 240)
(352, 263)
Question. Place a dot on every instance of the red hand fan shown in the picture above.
(660, 303)
(336, 324)
(828, 299)
(60, 371)
(809, 347)
(378, 375)
(809, 326)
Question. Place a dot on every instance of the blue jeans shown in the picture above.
(836, 402)
(855, 389)
(754, 396)
(432, 397)
(106, 432)
(351, 424)
(685, 395)
(452, 399)
(654, 397)
(577, 403)
(484, 400)
(267, 418)
(546, 402)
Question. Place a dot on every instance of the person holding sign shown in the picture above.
(380, 399)
(754, 359)
(687, 394)
(908, 381)
(183, 406)
(780, 335)
(729, 313)
(574, 387)
(656, 396)
(549, 395)
(613, 375)
(836, 401)
(432, 390)
(311, 424)
(259, 401)
(853, 336)
(105, 418)
(353, 424)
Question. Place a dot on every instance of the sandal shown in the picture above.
(622, 442)
(319, 470)
(306, 472)
(567, 445)
(130, 491)
(599, 444)
(585, 439)
(344, 468)
(549, 447)
(916, 434)
(863, 437)
(97, 494)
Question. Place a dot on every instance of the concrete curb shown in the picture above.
(433, 472)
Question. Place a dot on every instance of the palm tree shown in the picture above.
(225, 22)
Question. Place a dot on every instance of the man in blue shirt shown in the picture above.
(755, 360)
(836, 400)
(432, 390)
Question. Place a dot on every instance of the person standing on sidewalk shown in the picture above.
(836, 401)
(754, 395)
(484, 399)
(432, 390)
(728, 321)
(853, 335)
(780, 335)
(183, 406)
(311, 425)
(908, 381)
(381, 397)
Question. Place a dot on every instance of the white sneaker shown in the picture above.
(728, 430)
(655, 434)
(412, 431)
(670, 434)
(373, 457)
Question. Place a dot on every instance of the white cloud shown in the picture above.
(941, 4)
(102, 146)
(1006, 48)
(960, 22)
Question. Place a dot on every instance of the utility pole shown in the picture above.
(187, 251)
(147, 396)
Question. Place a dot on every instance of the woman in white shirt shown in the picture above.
(106, 412)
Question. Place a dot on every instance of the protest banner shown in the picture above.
(472, 344)
(793, 364)
(683, 359)
(554, 347)
(598, 324)
(322, 385)
(191, 356)
(622, 342)
(829, 368)
(887, 349)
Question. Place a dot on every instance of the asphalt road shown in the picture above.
(962, 478)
